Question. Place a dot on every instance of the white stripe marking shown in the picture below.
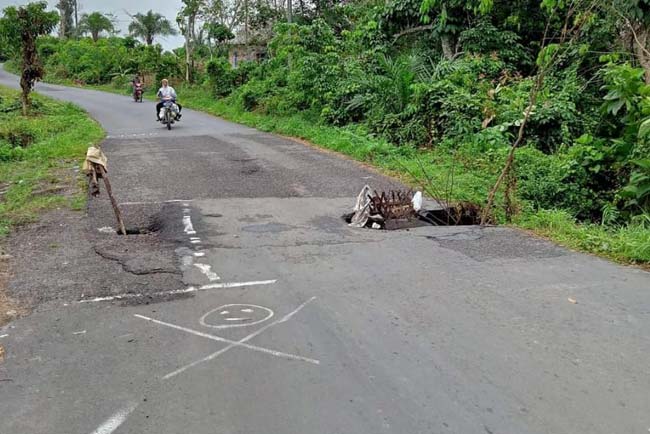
(187, 222)
(3, 336)
(246, 339)
(199, 254)
(237, 284)
(154, 203)
(113, 422)
(228, 341)
(180, 291)
(207, 270)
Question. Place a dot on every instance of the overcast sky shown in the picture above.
(119, 8)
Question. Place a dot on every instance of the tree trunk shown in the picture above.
(76, 19)
(447, 42)
(640, 43)
(289, 11)
(62, 28)
(95, 36)
(24, 99)
(149, 39)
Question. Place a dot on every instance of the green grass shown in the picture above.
(473, 174)
(34, 177)
(629, 243)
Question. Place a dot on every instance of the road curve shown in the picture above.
(286, 321)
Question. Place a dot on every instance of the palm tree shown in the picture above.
(95, 23)
(149, 25)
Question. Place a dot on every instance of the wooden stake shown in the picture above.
(118, 214)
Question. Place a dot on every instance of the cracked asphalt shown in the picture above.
(432, 330)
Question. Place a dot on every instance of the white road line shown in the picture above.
(187, 222)
(242, 342)
(207, 270)
(199, 254)
(236, 284)
(180, 291)
(154, 203)
(3, 336)
(113, 422)
(228, 341)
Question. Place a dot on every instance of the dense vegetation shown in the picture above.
(431, 88)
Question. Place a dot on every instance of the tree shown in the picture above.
(634, 16)
(66, 11)
(186, 20)
(147, 26)
(21, 26)
(450, 18)
(95, 23)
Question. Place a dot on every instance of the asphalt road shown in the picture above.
(288, 322)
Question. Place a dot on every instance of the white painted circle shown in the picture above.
(238, 321)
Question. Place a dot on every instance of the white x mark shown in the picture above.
(232, 344)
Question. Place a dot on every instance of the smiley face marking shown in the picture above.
(236, 315)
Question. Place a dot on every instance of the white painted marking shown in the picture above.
(268, 315)
(187, 222)
(180, 291)
(242, 341)
(3, 336)
(237, 284)
(195, 241)
(194, 238)
(187, 210)
(207, 270)
(106, 230)
(113, 422)
(225, 312)
(247, 310)
(199, 254)
(155, 203)
(82, 332)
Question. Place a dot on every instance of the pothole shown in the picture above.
(155, 226)
(401, 209)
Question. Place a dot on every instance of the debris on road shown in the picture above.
(572, 300)
(402, 209)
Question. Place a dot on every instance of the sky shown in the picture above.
(119, 8)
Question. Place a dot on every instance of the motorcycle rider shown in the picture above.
(166, 93)
(136, 84)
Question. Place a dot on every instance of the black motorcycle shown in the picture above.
(170, 114)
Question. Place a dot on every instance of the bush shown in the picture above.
(221, 77)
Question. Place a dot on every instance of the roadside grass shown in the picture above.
(454, 175)
(36, 175)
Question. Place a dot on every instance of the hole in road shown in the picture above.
(156, 225)
(395, 210)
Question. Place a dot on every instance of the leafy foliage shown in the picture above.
(148, 26)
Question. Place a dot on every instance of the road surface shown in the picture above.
(276, 318)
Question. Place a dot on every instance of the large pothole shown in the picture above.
(400, 209)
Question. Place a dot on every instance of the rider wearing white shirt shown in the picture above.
(166, 93)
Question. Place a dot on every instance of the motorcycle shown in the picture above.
(169, 114)
(137, 92)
